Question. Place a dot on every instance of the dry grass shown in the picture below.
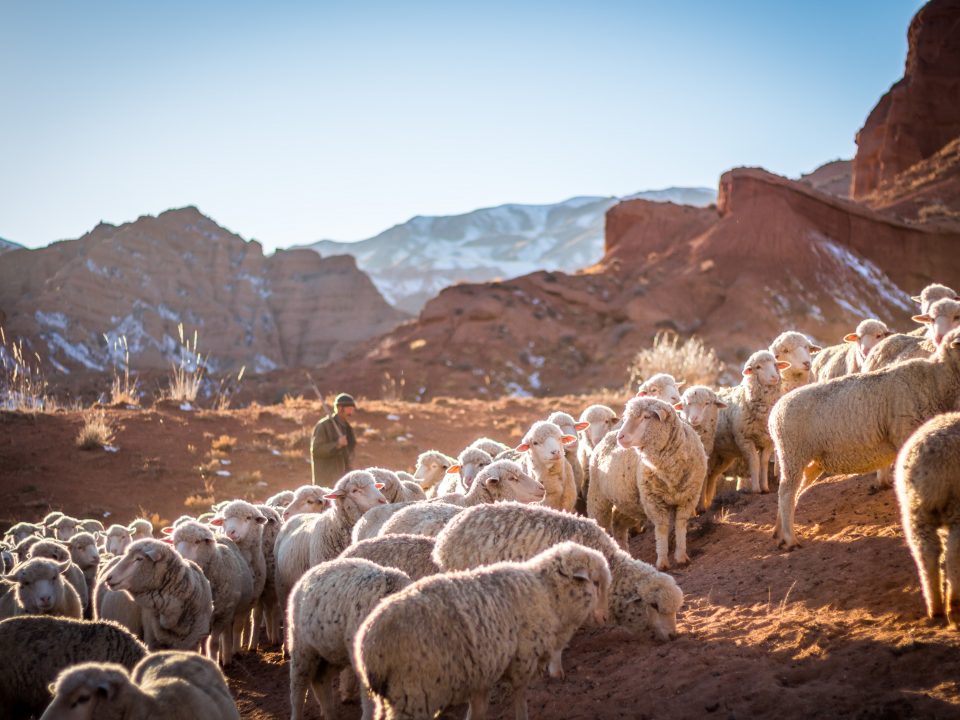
(95, 433)
(226, 389)
(122, 389)
(224, 443)
(23, 386)
(187, 375)
(391, 387)
(689, 361)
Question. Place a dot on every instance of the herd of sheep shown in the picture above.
(425, 591)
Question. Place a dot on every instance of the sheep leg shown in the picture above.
(924, 543)
(884, 478)
(765, 468)
(303, 667)
(479, 703)
(520, 702)
(555, 667)
(366, 703)
(753, 461)
(349, 687)
(620, 526)
(787, 503)
(951, 563)
(322, 685)
(226, 645)
(273, 623)
(239, 621)
(254, 639)
(680, 533)
(710, 484)
(661, 531)
(600, 509)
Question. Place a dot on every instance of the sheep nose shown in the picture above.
(382, 501)
(806, 365)
(937, 338)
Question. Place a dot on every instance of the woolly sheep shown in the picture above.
(163, 686)
(280, 501)
(661, 386)
(48, 520)
(642, 598)
(798, 350)
(231, 584)
(65, 527)
(326, 608)
(173, 594)
(91, 526)
(22, 550)
(613, 497)
(928, 491)
(372, 520)
(600, 420)
(35, 648)
(500, 480)
(116, 605)
(742, 425)
(940, 318)
(543, 457)
(460, 476)
(84, 554)
(118, 538)
(670, 474)
(525, 612)
(848, 357)
(931, 293)
(140, 529)
(40, 590)
(491, 447)
(306, 499)
(572, 427)
(267, 611)
(394, 489)
(411, 554)
(243, 523)
(53, 550)
(421, 519)
(22, 530)
(700, 408)
(432, 467)
(856, 424)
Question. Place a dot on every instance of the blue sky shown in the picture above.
(295, 121)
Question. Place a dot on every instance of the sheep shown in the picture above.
(306, 499)
(116, 605)
(543, 457)
(91, 526)
(162, 686)
(48, 520)
(600, 420)
(848, 357)
(394, 489)
(53, 550)
(432, 467)
(267, 610)
(796, 349)
(613, 498)
(307, 540)
(421, 519)
(700, 408)
(742, 425)
(35, 648)
(40, 590)
(661, 386)
(22, 530)
(856, 424)
(501, 480)
(231, 584)
(939, 318)
(173, 594)
(243, 523)
(411, 554)
(496, 622)
(642, 598)
(118, 539)
(368, 526)
(571, 451)
(671, 468)
(928, 491)
(460, 476)
(489, 446)
(280, 501)
(141, 529)
(84, 554)
(931, 293)
(22, 550)
(326, 608)
(65, 527)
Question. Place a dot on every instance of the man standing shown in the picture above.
(332, 444)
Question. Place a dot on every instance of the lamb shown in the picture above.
(118, 539)
(306, 499)
(116, 605)
(40, 590)
(571, 451)
(940, 318)
(671, 469)
(742, 425)
(91, 526)
(53, 550)
(432, 467)
(600, 420)
(411, 554)
(542, 447)
(267, 610)
(35, 648)
(64, 527)
(848, 357)
(796, 349)
(700, 408)
(141, 529)
(931, 293)
(280, 501)
(309, 539)
(661, 386)
(173, 594)
(421, 519)
(856, 424)
(326, 608)
(460, 476)
(84, 554)
(243, 523)
(22, 530)
(613, 498)
(501, 480)
(642, 598)
(526, 612)
(928, 491)
(162, 686)
(48, 520)
(22, 550)
(231, 584)
(394, 489)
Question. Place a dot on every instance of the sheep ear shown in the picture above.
(218, 521)
(660, 411)
(916, 298)
(168, 541)
(260, 520)
(888, 333)
(581, 426)
(851, 338)
(680, 383)
(334, 495)
(453, 469)
(923, 319)
(567, 439)
(582, 574)
(720, 404)
(783, 365)
(641, 393)
(814, 349)
(152, 552)
(64, 566)
(522, 447)
(107, 689)
(748, 371)
(379, 486)
(678, 406)
(167, 530)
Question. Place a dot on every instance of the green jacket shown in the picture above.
(328, 463)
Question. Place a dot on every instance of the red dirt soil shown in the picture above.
(833, 629)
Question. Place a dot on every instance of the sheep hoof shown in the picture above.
(663, 564)
(683, 560)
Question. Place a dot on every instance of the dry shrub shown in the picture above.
(23, 386)
(95, 433)
(224, 443)
(187, 375)
(391, 387)
(122, 389)
(689, 361)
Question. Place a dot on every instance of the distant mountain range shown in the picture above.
(412, 262)
(6, 245)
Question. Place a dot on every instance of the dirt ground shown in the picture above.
(833, 629)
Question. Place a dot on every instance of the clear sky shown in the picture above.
(295, 121)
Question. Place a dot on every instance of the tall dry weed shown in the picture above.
(690, 361)
(95, 433)
(188, 371)
(23, 386)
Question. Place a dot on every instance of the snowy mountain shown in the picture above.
(410, 263)
(6, 245)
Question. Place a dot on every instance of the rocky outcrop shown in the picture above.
(921, 112)
(142, 279)
(833, 178)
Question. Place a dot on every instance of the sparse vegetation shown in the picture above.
(224, 443)
(391, 387)
(23, 386)
(95, 433)
(187, 375)
(123, 391)
(689, 361)
(226, 389)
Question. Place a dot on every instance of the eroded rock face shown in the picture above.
(921, 112)
(833, 178)
(142, 279)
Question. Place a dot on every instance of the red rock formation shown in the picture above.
(143, 278)
(920, 113)
(833, 178)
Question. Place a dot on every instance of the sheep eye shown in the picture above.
(81, 700)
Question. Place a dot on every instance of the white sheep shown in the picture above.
(670, 471)
(933, 292)
(84, 554)
(368, 526)
(600, 420)
(394, 489)
(306, 499)
(940, 318)
(267, 611)
(700, 408)
(642, 598)
(65, 527)
(411, 554)
(116, 605)
(117, 539)
(163, 686)
(543, 458)
(58, 552)
(140, 529)
(497, 622)
(848, 357)
(432, 467)
(243, 523)
(500, 480)
(798, 350)
(571, 451)
(662, 386)
(22, 530)
(460, 476)
(173, 594)
(928, 491)
(491, 447)
(326, 608)
(280, 500)
(421, 519)
(34, 649)
(742, 425)
(40, 590)
(856, 424)
(613, 497)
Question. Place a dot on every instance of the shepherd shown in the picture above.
(333, 443)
